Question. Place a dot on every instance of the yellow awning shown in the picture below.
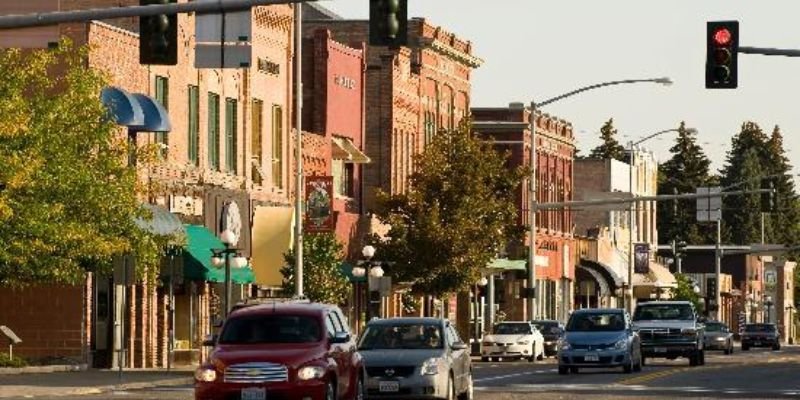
(658, 277)
(353, 154)
(272, 237)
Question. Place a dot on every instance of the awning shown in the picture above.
(658, 277)
(344, 149)
(272, 237)
(197, 258)
(123, 108)
(507, 265)
(601, 280)
(156, 118)
(611, 276)
(163, 223)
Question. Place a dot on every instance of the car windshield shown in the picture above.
(596, 322)
(715, 327)
(252, 329)
(647, 312)
(402, 336)
(512, 329)
(759, 328)
(547, 327)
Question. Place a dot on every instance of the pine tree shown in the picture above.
(610, 148)
(783, 226)
(683, 173)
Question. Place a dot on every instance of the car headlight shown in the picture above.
(564, 345)
(205, 374)
(621, 344)
(524, 341)
(430, 366)
(310, 372)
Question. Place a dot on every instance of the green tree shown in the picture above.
(70, 201)
(322, 277)
(685, 291)
(457, 215)
(610, 148)
(783, 226)
(687, 170)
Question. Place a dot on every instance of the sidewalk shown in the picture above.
(91, 381)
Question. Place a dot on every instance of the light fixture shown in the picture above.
(376, 272)
(239, 262)
(368, 252)
(483, 281)
(359, 272)
(217, 261)
(228, 237)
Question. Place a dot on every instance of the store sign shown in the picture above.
(345, 82)
(641, 262)
(231, 219)
(268, 67)
(319, 204)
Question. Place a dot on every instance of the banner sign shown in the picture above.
(641, 261)
(319, 204)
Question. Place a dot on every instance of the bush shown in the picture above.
(16, 362)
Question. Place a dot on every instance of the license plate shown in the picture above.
(389, 386)
(591, 357)
(254, 394)
(660, 349)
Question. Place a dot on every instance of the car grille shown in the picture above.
(599, 346)
(391, 371)
(256, 372)
(660, 333)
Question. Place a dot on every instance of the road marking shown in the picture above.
(499, 377)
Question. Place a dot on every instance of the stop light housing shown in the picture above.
(388, 23)
(769, 200)
(722, 50)
(158, 36)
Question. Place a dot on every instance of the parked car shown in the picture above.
(280, 351)
(599, 338)
(670, 329)
(761, 335)
(513, 340)
(415, 357)
(552, 331)
(717, 336)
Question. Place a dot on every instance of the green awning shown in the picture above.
(197, 258)
(347, 270)
(508, 265)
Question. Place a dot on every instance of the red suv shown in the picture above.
(282, 351)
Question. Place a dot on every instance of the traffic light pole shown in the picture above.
(766, 51)
(59, 17)
(660, 197)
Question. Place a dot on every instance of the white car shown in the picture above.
(514, 339)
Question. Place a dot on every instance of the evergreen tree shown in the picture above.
(610, 148)
(683, 173)
(783, 226)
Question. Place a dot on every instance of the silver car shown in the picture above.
(415, 358)
(718, 337)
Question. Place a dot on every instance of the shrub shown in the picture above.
(16, 362)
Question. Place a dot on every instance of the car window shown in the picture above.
(329, 325)
(253, 329)
(402, 336)
(513, 329)
(596, 321)
(342, 321)
(759, 328)
(682, 312)
(456, 338)
(714, 327)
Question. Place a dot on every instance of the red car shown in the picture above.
(283, 351)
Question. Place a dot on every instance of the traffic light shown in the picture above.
(722, 49)
(388, 23)
(675, 201)
(158, 36)
(769, 200)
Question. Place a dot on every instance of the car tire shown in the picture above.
(639, 363)
(330, 390)
(776, 347)
(628, 368)
(694, 359)
(745, 348)
(702, 357)
(359, 393)
(469, 391)
(644, 360)
(563, 370)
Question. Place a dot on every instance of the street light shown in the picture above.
(532, 184)
(768, 305)
(628, 297)
(222, 257)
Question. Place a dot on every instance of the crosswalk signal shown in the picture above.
(388, 23)
(158, 36)
(722, 48)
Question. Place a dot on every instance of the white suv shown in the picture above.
(513, 340)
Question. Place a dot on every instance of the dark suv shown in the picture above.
(761, 335)
(552, 331)
(281, 351)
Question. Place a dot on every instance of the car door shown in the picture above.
(336, 351)
(348, 354)
(460, 359)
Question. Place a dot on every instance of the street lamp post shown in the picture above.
(375, 273)
(221, 257)
(768, 306)
(628, 296)
(532, 295)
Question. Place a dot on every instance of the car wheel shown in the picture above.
(644, 360)
(469, 391)
(451, 388)
(702, 357)
(638, 366)
(776, 347)
(563, 370)
(540, 357)
(330, 390)
(694, 359)
(359, 394)
(628, 368)
(745, 347)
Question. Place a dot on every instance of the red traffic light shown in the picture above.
(722, 37)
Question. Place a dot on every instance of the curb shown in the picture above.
(78, 391)
(43, 369)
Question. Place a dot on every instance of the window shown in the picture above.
(213, 131)
(231, 127)
(254, 329)
(255, 145)
(277, 146)
(329, 326)
(342, 178)
(193, 143)
(162, 96)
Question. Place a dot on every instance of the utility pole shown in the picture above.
(298, 203)
(718, 268)
(533, 202)
(628, 297)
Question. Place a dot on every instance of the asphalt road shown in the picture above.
(756, 374)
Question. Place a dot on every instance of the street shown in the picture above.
(756, 374)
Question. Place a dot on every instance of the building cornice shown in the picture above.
(452, 53)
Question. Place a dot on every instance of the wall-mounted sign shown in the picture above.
(231, 219)
(268, 67)
(319, 204)
(641, 262)
(345, 82)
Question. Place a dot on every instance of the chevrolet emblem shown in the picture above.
(389, 372)
(254, 372)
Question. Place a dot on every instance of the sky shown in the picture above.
(536, 50)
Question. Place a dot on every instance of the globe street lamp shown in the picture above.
(223, 257)
(532, 184)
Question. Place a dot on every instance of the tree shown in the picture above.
(457, 215)
(687, 170)
(685, 291)
(70, 201)
(610, 148)
(784, 225)
(323, 279)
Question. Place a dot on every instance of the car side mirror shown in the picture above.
(340, 337)
(458, 346)
(218, 322)
(210, 341)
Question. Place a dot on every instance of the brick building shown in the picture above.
(225, 161)
(555, 149)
